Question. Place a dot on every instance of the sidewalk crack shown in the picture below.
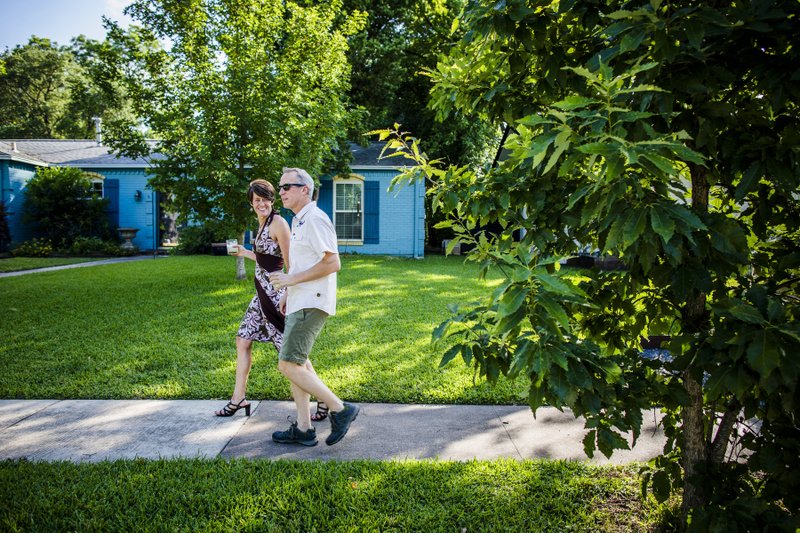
(505, 428)
(30, 415)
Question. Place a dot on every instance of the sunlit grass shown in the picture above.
(165, 329)
(284, 496)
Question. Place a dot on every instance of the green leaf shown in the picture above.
(608, 441)
(554, 309)
(513, 298)
(588, 443)
(661, 486)
(746, 313)
(449, 355)
(661, 223)
(695, 31)
(571, 103)
(557, 285)
(749, 180)
(686, 216)
(634, 226)
(763, 354)
(662, 163)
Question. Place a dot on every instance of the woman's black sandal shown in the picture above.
(321, 414)
(231, 408)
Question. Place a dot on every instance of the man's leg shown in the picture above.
(302, 328)
(308, 383)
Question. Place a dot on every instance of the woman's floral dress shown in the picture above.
(263, 320)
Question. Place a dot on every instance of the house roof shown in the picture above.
(65, 152)
(87, 153)
(369, 156)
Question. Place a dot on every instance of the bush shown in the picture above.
(60, 202)
(95, 246)
(34, 248)
(194, 240)
(5, 232)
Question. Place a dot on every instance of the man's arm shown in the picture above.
(327, 265)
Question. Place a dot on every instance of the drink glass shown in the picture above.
(233, 246)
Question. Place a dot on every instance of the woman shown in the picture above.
(263, 321)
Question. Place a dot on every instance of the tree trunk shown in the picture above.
(241, 273)
(695, 451)
(694, 446)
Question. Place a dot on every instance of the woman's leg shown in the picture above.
(244, 358)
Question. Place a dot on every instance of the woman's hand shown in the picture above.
(280, 279)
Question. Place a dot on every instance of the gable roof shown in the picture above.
(87, 153)
(369, 156)
(66, 152)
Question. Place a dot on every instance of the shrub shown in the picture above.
(34, 248)
(96, 246)
(60, 202)
(197, 239)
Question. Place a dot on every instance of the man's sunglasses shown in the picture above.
(287, 186)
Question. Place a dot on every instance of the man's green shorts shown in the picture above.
(299, 333)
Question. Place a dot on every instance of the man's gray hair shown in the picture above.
(304, 177)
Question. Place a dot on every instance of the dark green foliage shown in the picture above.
(95, 246)
(59, 202)
(51, 91)
(198, 239)
(665, 135)
(5, 232)
(245, 89)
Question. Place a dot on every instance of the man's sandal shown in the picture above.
(231, 408)
(321, 414)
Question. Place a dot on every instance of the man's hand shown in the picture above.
(282, 304)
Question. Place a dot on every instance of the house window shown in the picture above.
(97, 188)
(348, 209)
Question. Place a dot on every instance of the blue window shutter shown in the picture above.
(372, 197)
(325, 200)
(111, 192)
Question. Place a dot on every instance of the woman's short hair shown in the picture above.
(304, 178)
(262, 188)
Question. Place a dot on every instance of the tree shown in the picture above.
(390, 56)
(51, 91)
(33, 89)
(245, 89)
(61, 204)
(666, 135)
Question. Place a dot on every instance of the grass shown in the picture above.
(260, 495)
(165, 328)
(15, 264)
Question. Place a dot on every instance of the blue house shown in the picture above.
(368, 218)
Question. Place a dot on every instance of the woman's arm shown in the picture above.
(244, 252)
(279, 230)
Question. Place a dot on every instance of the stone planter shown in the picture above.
(127, 235)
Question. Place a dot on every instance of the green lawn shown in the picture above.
(288, 496)
(15, 264)
(165, 328)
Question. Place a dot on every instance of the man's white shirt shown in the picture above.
(313, 234)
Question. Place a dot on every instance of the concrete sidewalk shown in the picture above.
(97, 430)
(81, 265)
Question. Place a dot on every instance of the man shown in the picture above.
(309, 300)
